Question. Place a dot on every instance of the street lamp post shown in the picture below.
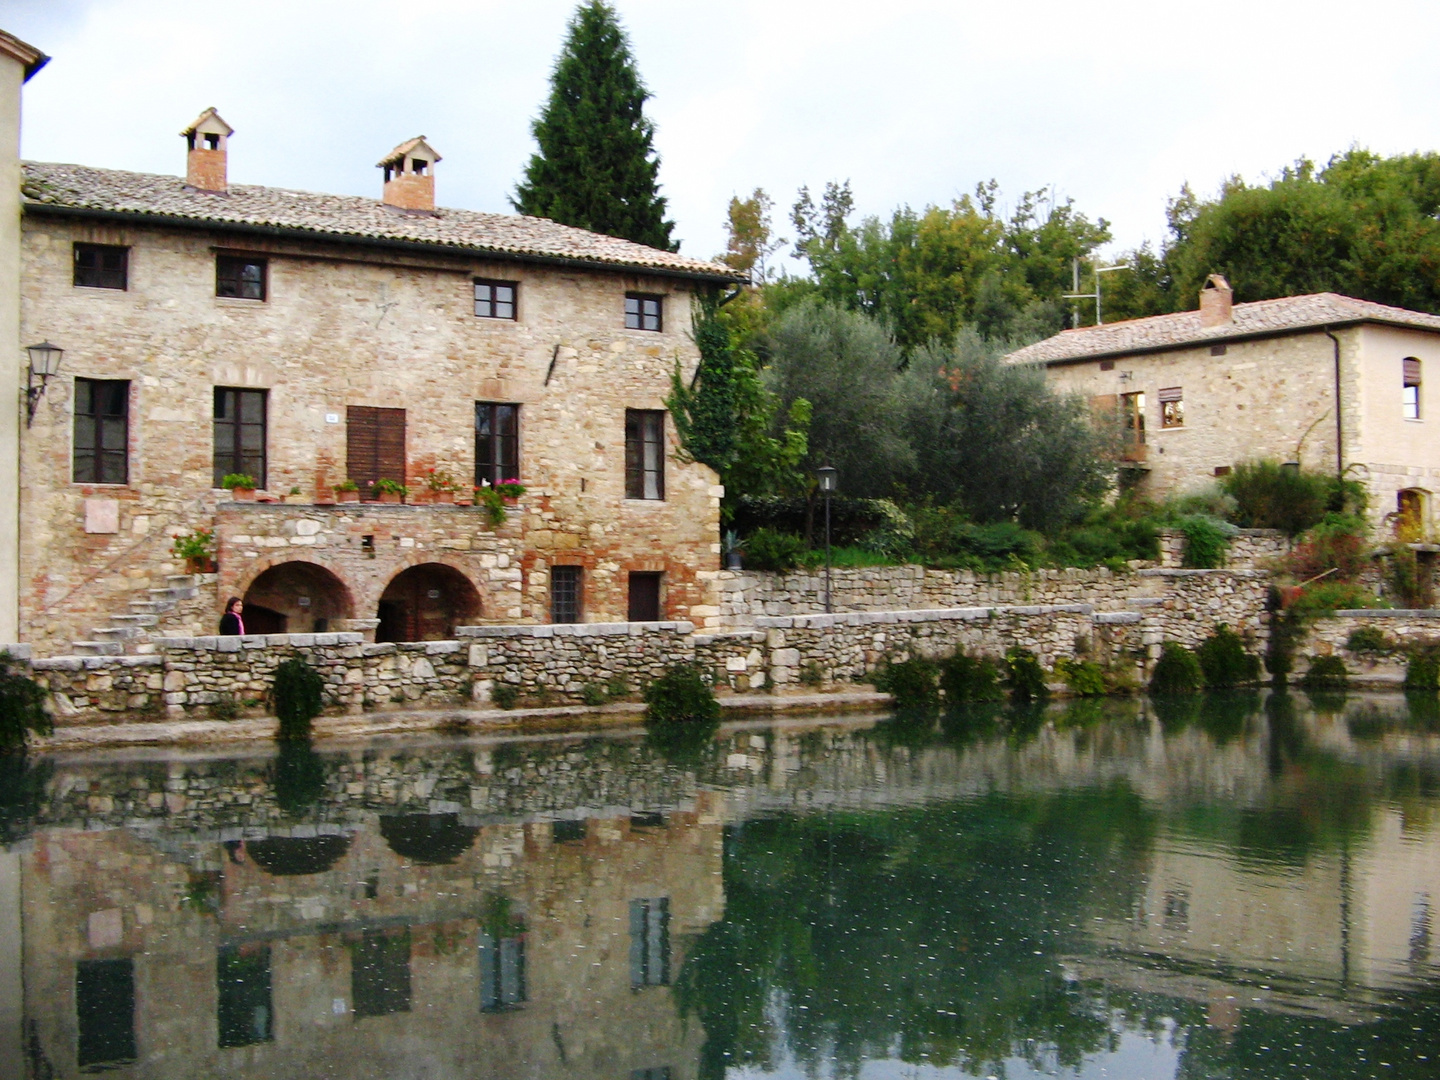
(829, 480)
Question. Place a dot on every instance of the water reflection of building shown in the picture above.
(417, 946)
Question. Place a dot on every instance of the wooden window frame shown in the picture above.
(642, 309)
(115, 278)
(1411, 379)
(567, 601)
(497, 453)
(375, 443)
(93, 423)
(231, 282)
(645, 454)
(232, 458)
(493, 303)
(1172, 407)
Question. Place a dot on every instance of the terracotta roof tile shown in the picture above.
(1249, 320)
(110, 191)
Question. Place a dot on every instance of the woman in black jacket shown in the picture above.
(231, 623)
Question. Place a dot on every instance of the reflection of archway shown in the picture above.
(430, 839)
(426, 603)
(293, 856)
(295, 598)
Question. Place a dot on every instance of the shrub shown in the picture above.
(1085, 678)
(1206, 541)
(298, 693)
(22, 706)
(593, 694)
(1327, 597)
(969, 678)
(1224, 661)
(1369, 639)
(225, 708)
(1025, 675)
(1286, 629)
(504, 694)
(911, 683)
(1177, 672)
(617, 686)
(769, 549)
(1326, 673)
(1405, 578)
(1270, 496)
(811, 673)
(1422, 672)
(1337, 546)
(682, 694)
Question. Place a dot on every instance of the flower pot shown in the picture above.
(347, 496)
(388, 497)
(445, 497)
(242, 494)
(202, 564)
(733, 560)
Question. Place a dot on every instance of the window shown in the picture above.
(1217, 350)
(240, 276)
(565, 593)
(644, 597)
(497, 442)
(374, 444)
(650, 942)
(567, 830)
(643, 312)
(1107, 365)
(502, 972)
(239, 433)
(1172, 407)
(102, 431)
(495, 299)
(105, 1010)
(242, 983)
(101, 266)
(1132, 418)
(644, 454)
(380, 974)
(1411, 397)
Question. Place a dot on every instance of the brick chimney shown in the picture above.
(205, 160)
(410, 176)
(1216, 300)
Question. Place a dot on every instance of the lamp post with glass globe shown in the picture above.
(829, 481)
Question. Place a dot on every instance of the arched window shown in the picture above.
(1411, 391)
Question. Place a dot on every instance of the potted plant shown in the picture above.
(240, 485)
(294, 498)
(734, 550)
(441, 485)
(496, 497)
(347, 491)
(388, 491)
(510, 491)
(197, 548)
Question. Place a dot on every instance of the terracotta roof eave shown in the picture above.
(1223, 339)
(32, 206)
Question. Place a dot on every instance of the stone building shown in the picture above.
(213, 329)
(1326, 381)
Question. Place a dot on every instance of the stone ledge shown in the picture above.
(1122, 618)
(1388, 613)
(552, 630)
(258, 641)
(1177, 572)
(95, 663)
(20, 650)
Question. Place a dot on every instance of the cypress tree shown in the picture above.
(596, 168)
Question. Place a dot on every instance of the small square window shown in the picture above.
(1217, 350)
(101, 266)
(1107, 365)
(643, 312)
(1172, 407)
(240, 277)
(495, 299)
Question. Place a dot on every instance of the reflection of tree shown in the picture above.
(22, 792)
(933, 930)
(299, 776)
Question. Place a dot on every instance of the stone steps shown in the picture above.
(131, 632)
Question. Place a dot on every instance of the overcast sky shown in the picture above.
(1114, 102)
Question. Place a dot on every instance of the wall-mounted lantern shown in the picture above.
(44, 364)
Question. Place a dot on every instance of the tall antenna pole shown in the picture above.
(1078, 295)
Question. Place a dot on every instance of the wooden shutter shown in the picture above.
(374, 444)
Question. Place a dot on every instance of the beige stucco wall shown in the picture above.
(12, 78)
(1275, 398)
(343, 326)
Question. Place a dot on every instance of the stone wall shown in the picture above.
(1249, 549)
(555, 664)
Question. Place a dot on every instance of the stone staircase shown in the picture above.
(131, 632)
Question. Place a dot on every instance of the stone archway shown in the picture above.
(296, 598)
(426, 603)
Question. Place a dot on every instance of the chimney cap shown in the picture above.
(209, 121)
(1216, 281)
(407, 149)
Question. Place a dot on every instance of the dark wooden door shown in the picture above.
(644, 597)
(374, 444)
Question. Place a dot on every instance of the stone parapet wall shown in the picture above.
(1249, 549)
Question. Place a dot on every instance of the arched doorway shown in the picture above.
(426, 603)
(296, 598)
(1412, 516)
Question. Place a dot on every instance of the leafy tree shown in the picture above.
(597, 167)
(751, 242)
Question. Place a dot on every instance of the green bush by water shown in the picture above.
(1422, 672)
(1025, 675)
(22, 706)
(299, 695)
(911, 683)
(1369, 639)
(969, 678)
(1085, 678)
(1224, 661)
(1326, 673)
(682, 694)
(1177, 672)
